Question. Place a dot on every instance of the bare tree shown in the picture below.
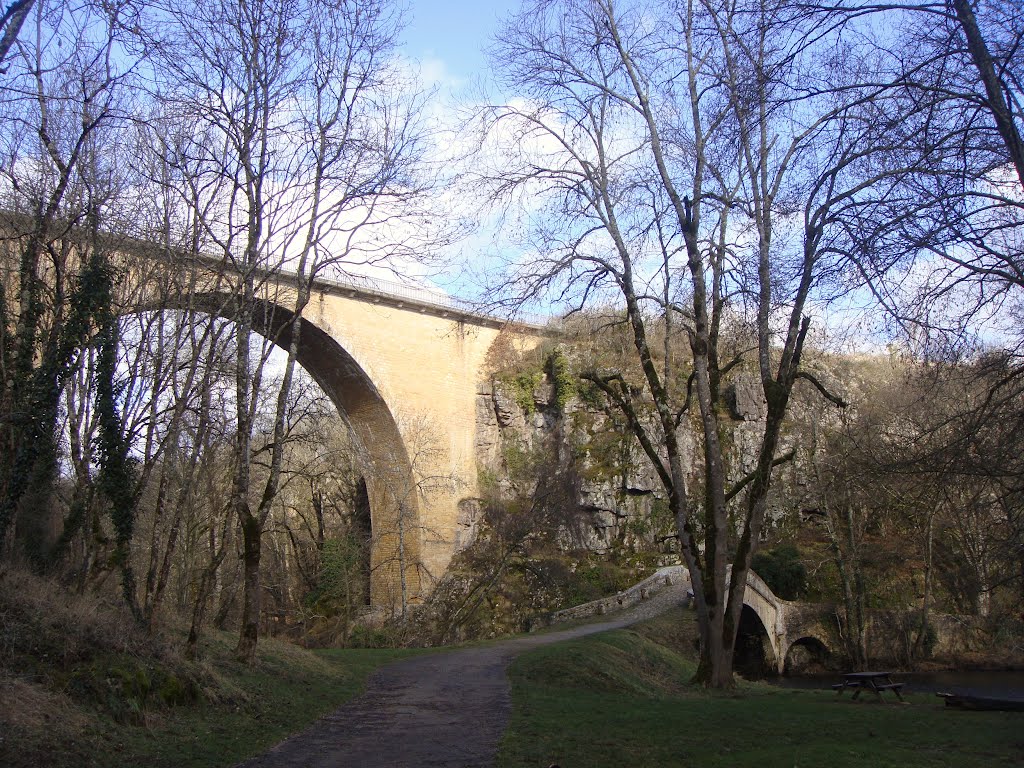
(948, 259)
(856, 495)
(963, 445)
(64, 105)
(400, 540)
(688, 164)
(306, 143)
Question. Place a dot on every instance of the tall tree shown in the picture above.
(688, 163)
(306, 141)
(949, 263)
(65, 100)
(953, 259)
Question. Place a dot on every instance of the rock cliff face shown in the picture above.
(621, 503)
(616, 490)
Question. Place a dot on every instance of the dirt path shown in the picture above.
(444, 710)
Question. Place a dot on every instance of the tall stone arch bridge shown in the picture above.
(396, 360)
(401, 364)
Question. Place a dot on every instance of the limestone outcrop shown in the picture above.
(620, 502)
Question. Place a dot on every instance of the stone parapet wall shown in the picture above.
(892, 633)
(668, 576)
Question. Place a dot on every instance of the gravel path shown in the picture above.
(443, 710)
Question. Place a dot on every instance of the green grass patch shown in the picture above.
(287, 690)
(241, 711)
(623, 699)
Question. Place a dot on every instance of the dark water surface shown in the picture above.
(1006, 685)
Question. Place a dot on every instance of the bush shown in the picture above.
(339, 585)
(782, 571)
(363, 636)
(562, 380)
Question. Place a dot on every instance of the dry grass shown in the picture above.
(81, 684)
(41, 620)
(42, 631)
(61, 652)
(27, 705)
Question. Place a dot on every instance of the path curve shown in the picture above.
(442, 710)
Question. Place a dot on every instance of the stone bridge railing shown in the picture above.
(784, 622)
(669, 576)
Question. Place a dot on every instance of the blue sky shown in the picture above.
(454, 32)
(447, 38)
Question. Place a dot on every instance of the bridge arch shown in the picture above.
(763, 603)
(805, 651)
(754, 654)
(786, 625)
(389, 482)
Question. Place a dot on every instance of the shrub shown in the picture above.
(562, 380)
(782, 571)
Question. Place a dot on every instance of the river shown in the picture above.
(1006, 685)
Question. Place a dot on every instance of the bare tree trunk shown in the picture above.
(217, 550)
(13, 19)
(995, 88)
(847, 556)
(252, 536)
(246, 394)
(401, 558)
(924, 626)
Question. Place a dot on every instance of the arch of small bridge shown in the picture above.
(768, 607)
(786, 623)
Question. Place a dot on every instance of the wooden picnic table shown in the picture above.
(876, 682)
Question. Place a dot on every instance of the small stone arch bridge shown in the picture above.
(784, 625)
(401, 364)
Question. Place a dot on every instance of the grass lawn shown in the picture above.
(79, 687)
(622, 699)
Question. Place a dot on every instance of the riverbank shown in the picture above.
(623, 698)
(1007, 684)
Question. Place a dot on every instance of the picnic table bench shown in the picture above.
(876, 682)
